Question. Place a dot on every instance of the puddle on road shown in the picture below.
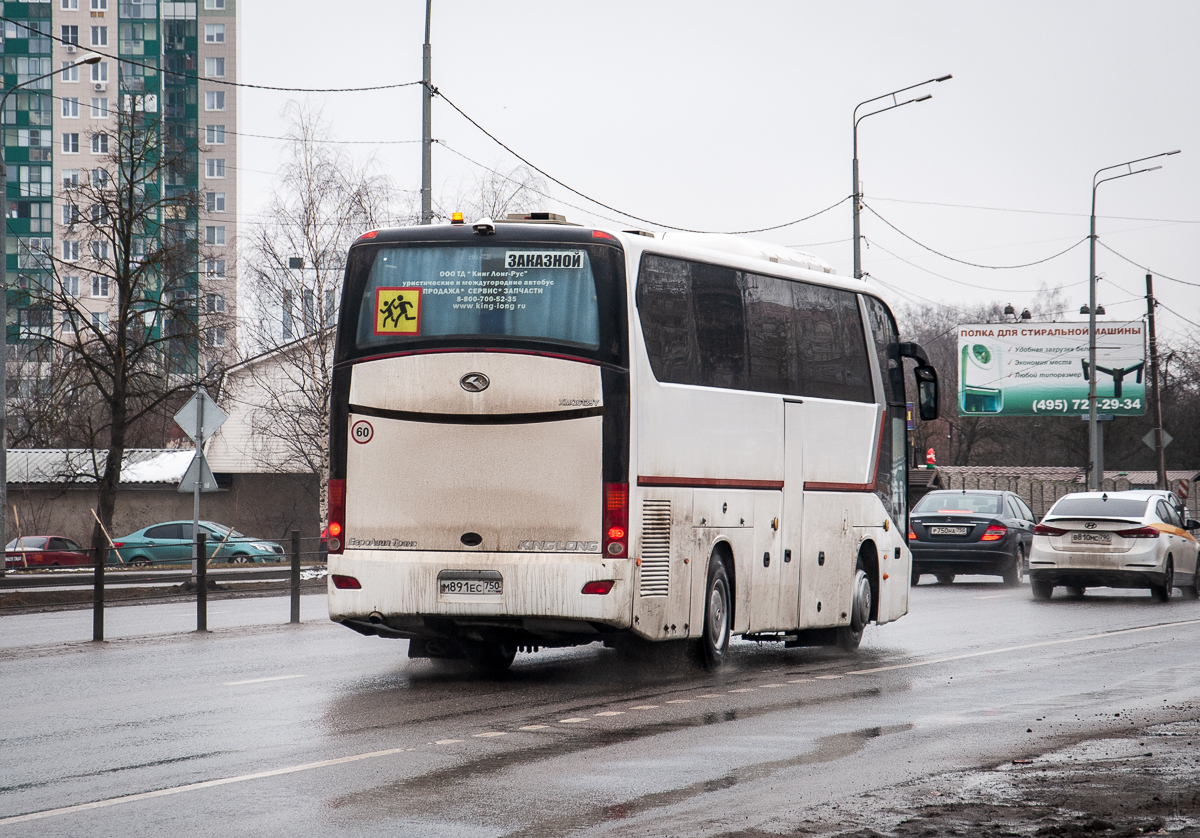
(430, 796)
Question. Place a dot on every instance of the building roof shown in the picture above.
(83, 465)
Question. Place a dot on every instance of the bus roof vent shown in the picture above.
(639, 233)
(538, 218)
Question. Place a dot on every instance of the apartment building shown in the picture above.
(168, 59)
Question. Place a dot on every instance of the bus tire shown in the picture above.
(848, 637)
(713, 642)
(492, 658)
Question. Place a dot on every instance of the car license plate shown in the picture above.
(1091, 538)
(948, 530)
(479, 587)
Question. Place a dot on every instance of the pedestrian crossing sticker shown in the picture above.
(397, 311)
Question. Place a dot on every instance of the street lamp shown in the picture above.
(1095, 446)
(854, 166)
(90, 58)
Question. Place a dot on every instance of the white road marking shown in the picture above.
(573, 720)
(710, 695)
(828, 677)
(769, 686)
(612, 713)
(308, 766)
(994, 596)
(535, 727)
(490, 733)
(679, 701)
(261, 680)
(1023, 646)
(800, 681)
(207, 784)
(743, 690)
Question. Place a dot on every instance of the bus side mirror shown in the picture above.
(927, 392)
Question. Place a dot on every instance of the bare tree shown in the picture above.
(495, 194)
(130, 238)
(294, 262)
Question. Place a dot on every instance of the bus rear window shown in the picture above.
(535, 292)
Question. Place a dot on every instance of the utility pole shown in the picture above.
(1159, 453)
(427, 128)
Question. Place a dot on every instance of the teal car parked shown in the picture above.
(171, 542)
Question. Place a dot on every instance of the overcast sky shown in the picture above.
(730, 116)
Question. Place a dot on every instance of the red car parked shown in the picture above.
(44, 551)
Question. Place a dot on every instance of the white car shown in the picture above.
(1136, 539)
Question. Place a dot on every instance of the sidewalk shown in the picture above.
(123, 621)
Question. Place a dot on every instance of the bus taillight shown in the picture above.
(337, 515)
(616, 519)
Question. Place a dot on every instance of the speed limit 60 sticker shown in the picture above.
(361, 431)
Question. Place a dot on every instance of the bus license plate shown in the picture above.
(947, 530)
(480, 587)
(1091, 538)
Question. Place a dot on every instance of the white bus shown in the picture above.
(549, 435)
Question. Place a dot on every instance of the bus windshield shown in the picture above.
(544, 293)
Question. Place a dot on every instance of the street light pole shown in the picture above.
(854, 190)
(90, 58)
(427, 126)
(1095, 454)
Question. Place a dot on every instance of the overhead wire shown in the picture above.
(617, 210)
(207, 79)
(963, 282)
(964, 262)
(1145, 268)
(1032, 211)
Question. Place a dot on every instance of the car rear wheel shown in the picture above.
(1015, 575)
(916, 576)
(1076, 590)
(945, 578)
(1163, 592)
(1041, 590)
(139, 561)
(1193, 590)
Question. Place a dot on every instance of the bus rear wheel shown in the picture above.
(493, 658)
(713, 643)
(848, 637)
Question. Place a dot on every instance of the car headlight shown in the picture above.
(265, 547)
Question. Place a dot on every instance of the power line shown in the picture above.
(962, 282)
(971, 264)
(208, 80)
(1144, 268)
(1033, 212)
(546, 174)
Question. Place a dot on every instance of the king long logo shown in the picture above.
(474, 382)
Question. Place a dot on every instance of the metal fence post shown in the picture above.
(98, 556)
(295, 576)
(201, 581)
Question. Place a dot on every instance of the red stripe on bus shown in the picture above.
(855, 487)
(708, 483)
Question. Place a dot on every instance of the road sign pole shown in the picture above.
(196, 494)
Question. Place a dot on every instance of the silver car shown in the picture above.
(1136, 539)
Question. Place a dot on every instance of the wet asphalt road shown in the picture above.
(315, 731)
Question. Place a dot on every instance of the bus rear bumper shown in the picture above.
(541, 600)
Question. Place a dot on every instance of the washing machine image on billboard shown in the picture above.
(980, 374)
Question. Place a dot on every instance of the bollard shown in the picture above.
(99, 556)
(201, 581)
(295, 576)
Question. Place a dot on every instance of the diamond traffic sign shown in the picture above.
(200, 417)
(1149, 439)
(198, 472)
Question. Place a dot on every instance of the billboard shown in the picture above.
(1039, 369)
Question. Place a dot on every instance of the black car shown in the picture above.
(972, 531)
